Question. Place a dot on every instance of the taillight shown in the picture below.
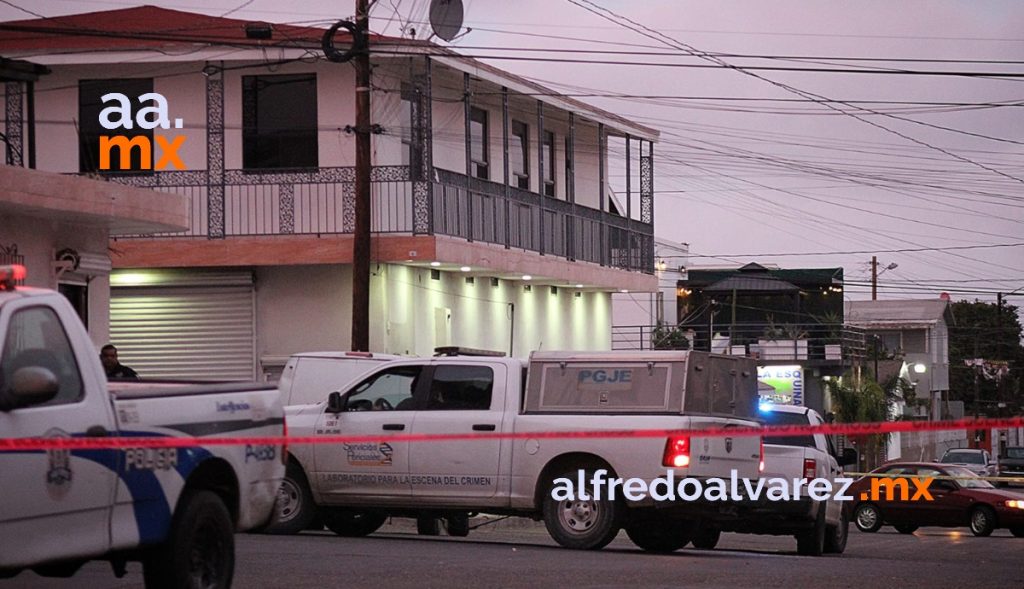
(760, 465)
(284, 445)
(810, 468)
(677, 452)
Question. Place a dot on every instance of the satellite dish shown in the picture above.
(446, 18)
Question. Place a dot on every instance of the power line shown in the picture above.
(852, 252)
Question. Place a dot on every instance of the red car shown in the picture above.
(962, 499)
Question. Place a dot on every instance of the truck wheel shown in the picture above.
(458, 525)
(353, 523)
(427, 525)
(660, 535)
(905, 528)
(707, 538)
(200, 550)
(867, 517)
(983, 521)
(837, 535)
(294, 510)
(812, 542)
(581, 524)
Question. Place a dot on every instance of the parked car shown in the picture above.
(1011, 465)
(357, 486)
(819, 526)
(959, 498)
(973, 459)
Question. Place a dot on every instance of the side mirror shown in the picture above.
(335, 402)
(849, 457)
(31, 385)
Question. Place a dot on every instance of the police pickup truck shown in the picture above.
(356, 486)
(818, 526)
(174, 509)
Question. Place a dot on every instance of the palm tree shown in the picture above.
(861, 401)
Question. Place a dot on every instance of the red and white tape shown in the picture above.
(850, 429)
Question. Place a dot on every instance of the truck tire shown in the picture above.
(867, 517)
(200, 550)
(580, 524)
(837, 535)
(458, 524)
(353, 523)
(983, 521)
(811, 542)
(660, 535)
(428, 525)
(707, 538)
(294, 509)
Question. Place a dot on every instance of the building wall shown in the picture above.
(308, 308)
(40, 239)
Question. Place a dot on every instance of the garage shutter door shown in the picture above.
(185, 332)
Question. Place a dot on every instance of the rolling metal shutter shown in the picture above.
(198, 326)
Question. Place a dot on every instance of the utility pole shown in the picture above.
(874, 278)
(361, 241)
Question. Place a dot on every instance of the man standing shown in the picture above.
(113, 368)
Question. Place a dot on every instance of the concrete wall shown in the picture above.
(40, 239)
(309, 308)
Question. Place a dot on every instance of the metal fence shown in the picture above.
(322, 201)
(807, 341)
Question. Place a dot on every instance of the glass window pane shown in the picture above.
(279, 121)
(35, 337)
(461, 387)
(389, 390)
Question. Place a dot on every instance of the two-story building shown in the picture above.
(492, 222)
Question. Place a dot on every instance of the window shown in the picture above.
(78, 295)
(385, 391)
(478, 143)
(784, 418)
(35, 337)
(519, 155)
(279, 121)
(411, 152)
(548, 156)
(90, 104)
(461, 387)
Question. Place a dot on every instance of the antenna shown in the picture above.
(446, 18)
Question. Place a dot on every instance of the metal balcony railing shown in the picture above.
(805, 341)
(321, 201)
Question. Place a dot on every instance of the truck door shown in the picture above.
(381, 405)
(67, 492)
(461, 399)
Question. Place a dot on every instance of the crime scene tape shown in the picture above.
(113, 442)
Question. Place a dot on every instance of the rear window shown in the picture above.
(781, 418)
(963, 458)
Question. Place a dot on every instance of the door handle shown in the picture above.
(394, 427)
(96, 431)
(484, 427)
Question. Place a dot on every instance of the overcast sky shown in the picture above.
(759, 177)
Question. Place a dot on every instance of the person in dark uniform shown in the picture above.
(113, 368)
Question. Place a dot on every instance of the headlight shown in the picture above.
(1015, 504)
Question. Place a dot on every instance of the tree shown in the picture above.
(983, 330)
(865, 401)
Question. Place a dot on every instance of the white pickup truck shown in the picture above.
(358, 485)
(819, 526)
(174, 509)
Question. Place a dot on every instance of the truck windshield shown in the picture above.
(782, 418)
(963, 458)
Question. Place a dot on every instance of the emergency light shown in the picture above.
(10, 276)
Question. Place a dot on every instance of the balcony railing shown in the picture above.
(800, 342)
(322, 202)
